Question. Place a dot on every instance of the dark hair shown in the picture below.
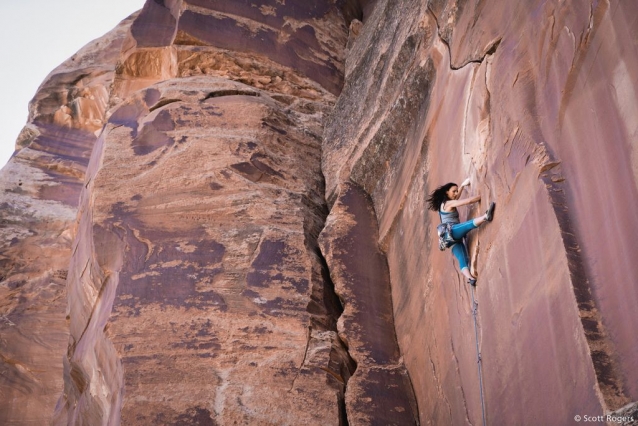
(439, 196)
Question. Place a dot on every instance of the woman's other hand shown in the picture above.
(466, 182)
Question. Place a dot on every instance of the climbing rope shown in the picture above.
(478, 354)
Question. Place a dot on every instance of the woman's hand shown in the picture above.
(465, 183)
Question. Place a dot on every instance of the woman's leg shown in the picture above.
(460, 253)
(460, 230)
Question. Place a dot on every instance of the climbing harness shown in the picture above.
(478, 354)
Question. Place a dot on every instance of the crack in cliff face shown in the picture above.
(359, 269)
(596, 15)
(221, 93)
(303, 361)
(341, 366)
(490, 49)
(162, 103)
(326, 309)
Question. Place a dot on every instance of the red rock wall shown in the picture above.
(531, 100)
(234, 197)
(198, 227)
(380, 391)
(40, 188)
(196, 289)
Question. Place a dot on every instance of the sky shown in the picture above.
(38, 35)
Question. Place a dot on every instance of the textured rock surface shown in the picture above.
(39, 192)
(627, 415)
(203, 291)
(196, 289)
(521, 97)
(215, 277)
(360, 274)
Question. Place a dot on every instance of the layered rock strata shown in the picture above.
(196, 289)
(214, 277)
(201, 294)
(39, 191)
(520, 97)
(209, 299)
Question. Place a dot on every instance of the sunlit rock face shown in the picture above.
(216, 215)
(196, 269)
(39, 191)
(196, 289)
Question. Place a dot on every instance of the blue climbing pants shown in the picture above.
(459, 250)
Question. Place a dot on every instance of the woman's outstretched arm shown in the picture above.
(457, 203)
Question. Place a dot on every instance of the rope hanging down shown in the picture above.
(478, 354)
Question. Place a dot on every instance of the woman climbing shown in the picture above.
(445, 200)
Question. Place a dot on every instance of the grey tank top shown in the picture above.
(449, 217)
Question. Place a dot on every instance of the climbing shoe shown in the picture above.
(489, 214)
(472, 282)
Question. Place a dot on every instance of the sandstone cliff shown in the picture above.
(40, 187)
(216, 215)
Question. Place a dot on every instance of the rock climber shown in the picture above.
(444, 200)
